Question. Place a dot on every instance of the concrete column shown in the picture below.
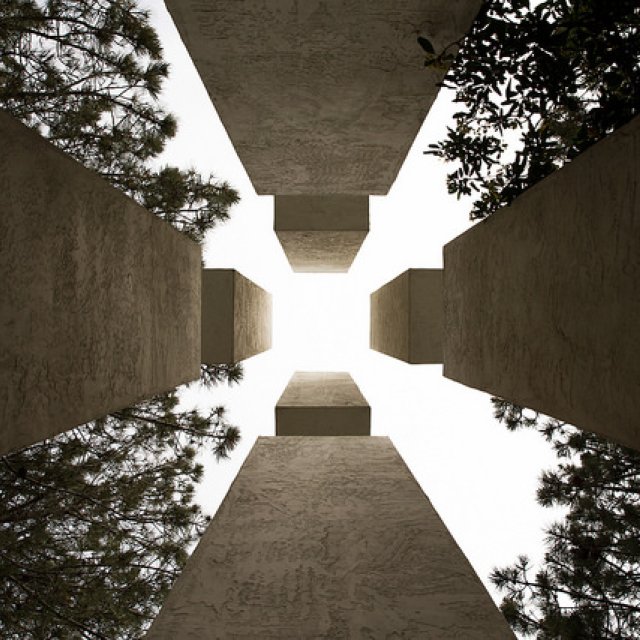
(327, 537)
(407, 317)
(322, 404)
(236, 317)
(542, 299)
(320, 97)
(100, 300)
(321, 233)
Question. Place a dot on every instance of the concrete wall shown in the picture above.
(321, 96)
(407, 317)
(542, 300)
(236, 317)
(321, 233)
(327, 538)
(322, 404)
(100, 299)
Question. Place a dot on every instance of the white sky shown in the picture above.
(480, 478)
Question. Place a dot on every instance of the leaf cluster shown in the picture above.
(87, 76)
(588, 587)
(537, 86)
(95, 523)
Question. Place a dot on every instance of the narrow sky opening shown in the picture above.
(320, 321)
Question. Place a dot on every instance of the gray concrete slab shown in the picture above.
(327, 538)
(321, 403)
(236, 317)
(321, 233)
(100, 299)
(321, 96)
(542, 299)
(407, 317)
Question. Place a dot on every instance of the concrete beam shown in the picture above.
(327, 538)
(542, 299)
(321, 233)
(320, 97)
(236, 317)
(322, 404)
(100, 299)
(407, 317)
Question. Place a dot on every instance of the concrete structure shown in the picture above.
(320, 98)
(322, 404)
(327, 538)
(321, 233)
(100, 300)
(407, 317)
(236, 317)
(542, 300)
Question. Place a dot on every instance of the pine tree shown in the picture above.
(588, 587)
(87, 76)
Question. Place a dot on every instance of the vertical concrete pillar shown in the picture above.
(542, 299)
(407, 317)
(321, 233)
(327, 537)
(322, 404)
(320, 98)
(100, 300)
(236, 317)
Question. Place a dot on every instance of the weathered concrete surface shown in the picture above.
(327, 538)
(542, 300)
(321, 96)
(100, 299)
(322, 404)
(407, 317)
(321, 233)
(236, 317)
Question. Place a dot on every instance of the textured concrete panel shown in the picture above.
(327, 538)
(407, 317)
(320, 96)
(100, 299)
(321, 233)
(542, 300)
(236, 317)
(322, 404)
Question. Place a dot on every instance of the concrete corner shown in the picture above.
(321, 233)
(407, 317)
(322, 404)
(236, 317)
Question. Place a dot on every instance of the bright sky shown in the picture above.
(480, 478)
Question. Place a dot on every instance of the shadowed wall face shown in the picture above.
(320, 95)
(327, 538)
(407, 317)
(236, 317)
(542, 300)
(100, 299)
(321, 233)
(322, 404)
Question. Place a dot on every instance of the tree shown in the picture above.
(87, 75)
(95, 523)
(538, 86)
(588, 587)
